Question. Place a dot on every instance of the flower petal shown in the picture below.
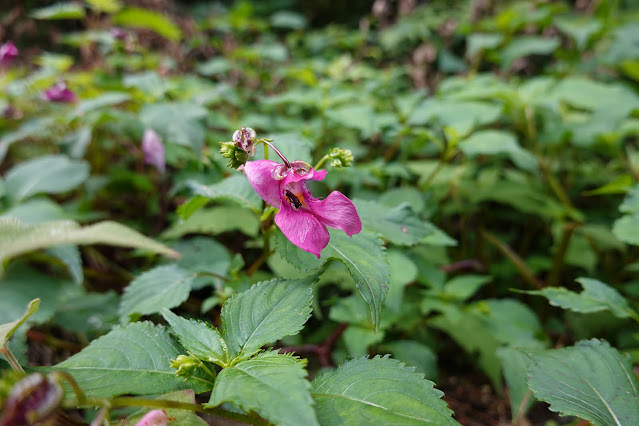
(259, 176)
(293, 177)
(336, 211)
(302, 229)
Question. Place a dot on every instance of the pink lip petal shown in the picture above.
(336, 211)
(302, 229)
(259, 176)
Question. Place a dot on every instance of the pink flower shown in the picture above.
(59, 92)
(153, 150)
(245, 140)
(153, 418)
(302, 218)
(8, 52)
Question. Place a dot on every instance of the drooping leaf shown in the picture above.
(364, 257)
(50, 174)
(162, 287)
(265, 313)
(514, 364)
(595, 297)
(399, 225)
(17, 238)
(235, 188)
(382, 389)
(70, 256)
(7, 329)
(201, 340)
(130, 360)
(272, 385)
(590, 380)
(141, 18)
(65, 10)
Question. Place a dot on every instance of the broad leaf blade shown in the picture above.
(6, 330)
(51, 174)
(147, 19)
(272, 385)
(235, 188)
(590, 380)
(130, 360)
(596, 296)
(17, 238)
(162, 287)
(364, 256)
(201, 340)
(265, 313)
(382, 389)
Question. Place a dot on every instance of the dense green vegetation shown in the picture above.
(495, 170)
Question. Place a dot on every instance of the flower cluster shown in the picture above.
(240, 148)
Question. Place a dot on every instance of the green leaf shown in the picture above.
(70, 256)
(213, 221)
(7, 329)
(36, 127)
(590, 380)
(382, 389)
(161, 287)
(514, 363)
(477, 42)
(51, 174)
(199, 339)
(462, 116)
(595, 297)
(141, 18)
(364, 257)
(108, 6)
(270, 384)
(17, 238)
(626, 228)
(462, 287)
(130, 360)
(104, 100)
(491, 142)
(88, 313)
(235, 188)
(399, 225)
(176, 122)
(266, 312)
(66, 10)
(415, 354)
(527, 45)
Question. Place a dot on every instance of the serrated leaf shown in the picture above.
(7, 329)
(50, 174)
(590, 380)
(130, 360)
(364, 257)
(141, 18)
(382, 389)
(595, 297)
(17, 238)
(199, 339)
(266, 312)
(235, 188)
(161, 287)
(399, 225)
(66, 10)
(272, 385)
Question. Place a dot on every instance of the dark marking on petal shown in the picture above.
(293, 200)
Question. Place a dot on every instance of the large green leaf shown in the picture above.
(378, 390)
(147, 19)
(527, 45)
(51, 174)
(213, 221)
(130, 360)
(462, 116)
(176, 122)
(364, 257)
(590, 380)
(17, 238)
(162, 287)
(266, 312)
(235, 188)
(7, 329)
(626, 228)
(199, 339)
(492, 142)
(595, 297)
(272, 385)
(399, 225)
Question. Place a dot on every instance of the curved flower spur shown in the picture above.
(301, 218)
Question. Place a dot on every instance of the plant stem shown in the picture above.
(321, 162)
(517, 261)
(11, 359)
(558, 261)
(277, 151)
(266, 252)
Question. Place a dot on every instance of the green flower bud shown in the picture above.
(340, 157)
(185, 365)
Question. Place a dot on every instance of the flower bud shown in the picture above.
(33, 399)
(185, 365)
(245, 140)
(340, 157)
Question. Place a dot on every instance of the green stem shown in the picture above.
(12, 359)
(79, 393)
(517, 261)
(321, 162)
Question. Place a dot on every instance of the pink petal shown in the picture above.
(292, 177)
(302, 229)
(336, 211)
(259, 176)
(153, 418)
